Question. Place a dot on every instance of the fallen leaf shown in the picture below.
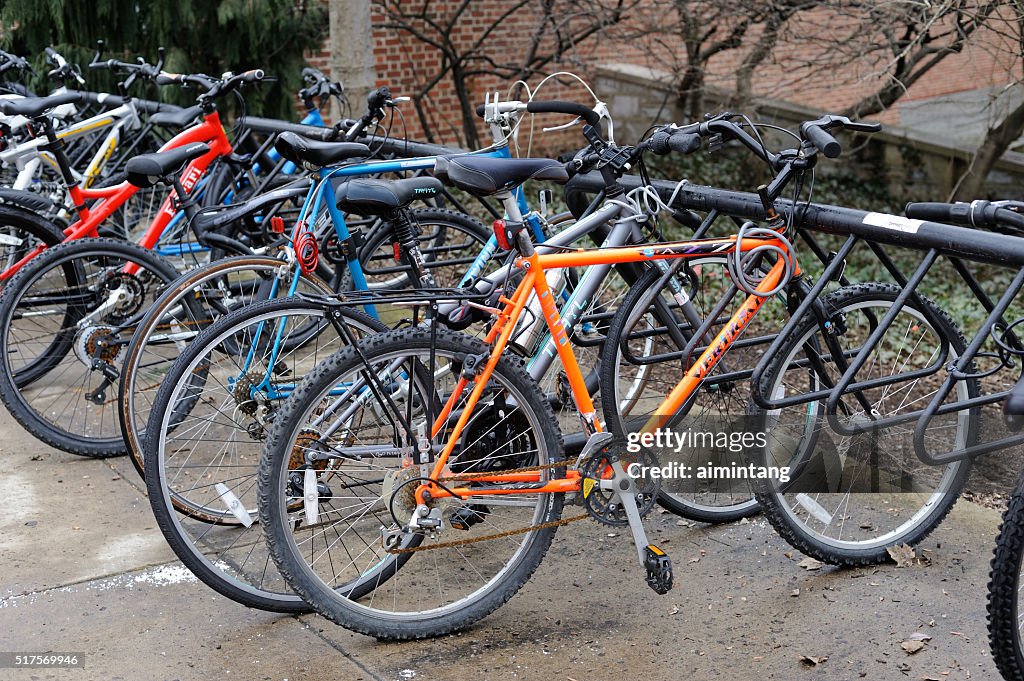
(810, 564)
(911, 647)
(812, 660)
(788, 554)
(903, 555)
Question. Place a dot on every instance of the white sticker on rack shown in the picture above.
(895, 222)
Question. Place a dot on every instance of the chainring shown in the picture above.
(604, 505)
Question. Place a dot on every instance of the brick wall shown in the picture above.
(405, 64)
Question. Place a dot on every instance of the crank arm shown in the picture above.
(627, 498)
(655, 563)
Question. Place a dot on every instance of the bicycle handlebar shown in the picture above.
(214, 87)
(990, 214)
(547, 106)
(816, 132)
(10, 61)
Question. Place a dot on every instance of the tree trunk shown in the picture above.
(466, 107)
(972, 184)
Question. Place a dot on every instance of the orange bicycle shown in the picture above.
(414, 480)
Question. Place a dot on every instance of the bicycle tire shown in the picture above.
(869, 549)
(214, 542)
(101, 342)
(274, 506)
(1004, 589)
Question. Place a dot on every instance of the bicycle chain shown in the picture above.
(497, 535)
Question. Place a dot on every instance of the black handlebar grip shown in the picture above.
(480, 110)
(662, 142)
(684, 142)
(167, 79)
(570, 108)
(658, 143)
(826, 143)
(938, 212)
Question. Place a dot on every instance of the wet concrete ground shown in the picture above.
(84, 568)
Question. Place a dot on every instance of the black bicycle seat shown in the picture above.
(33, 107)
(148, 169)
(176, 119)
(483, 175)
(379, 197)
(304, 151)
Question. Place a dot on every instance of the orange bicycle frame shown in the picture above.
(535, 282)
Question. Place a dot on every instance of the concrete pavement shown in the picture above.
(84, 568)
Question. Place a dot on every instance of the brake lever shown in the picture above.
(564, 126)
(602, 111)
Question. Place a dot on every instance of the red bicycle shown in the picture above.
(105, 201)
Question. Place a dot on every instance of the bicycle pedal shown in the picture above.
(659, 569)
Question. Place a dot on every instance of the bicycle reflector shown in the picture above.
(277, 224)
(505, 232)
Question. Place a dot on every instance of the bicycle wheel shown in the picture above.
(22, 232)
(656, 321)
(850, 497)
(1005, 626)
(449, 242)
(67, 316)
(191, 303)
(324, 527)
(203, 439)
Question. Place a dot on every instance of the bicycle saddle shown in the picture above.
(31, 107)
(379, 197)
(310, 153)
(483, 175)
(146, 170)
(176, 119)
